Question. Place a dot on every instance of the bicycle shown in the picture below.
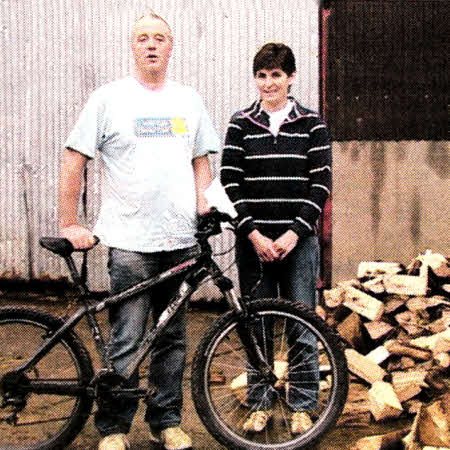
(48, 385)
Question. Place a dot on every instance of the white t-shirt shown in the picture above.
(277, 117)
(147, 140)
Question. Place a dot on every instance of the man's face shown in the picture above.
(151, 45)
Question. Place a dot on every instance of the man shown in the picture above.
(154, 136)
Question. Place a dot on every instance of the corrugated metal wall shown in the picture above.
(53, 53)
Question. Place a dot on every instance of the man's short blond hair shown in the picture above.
(152, 14)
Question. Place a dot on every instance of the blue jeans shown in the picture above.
(128, 323)
(293, 278)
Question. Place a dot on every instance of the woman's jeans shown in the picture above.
(294, 278)
(128, 322)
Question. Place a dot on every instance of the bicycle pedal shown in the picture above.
(108, 378)
(12, 419)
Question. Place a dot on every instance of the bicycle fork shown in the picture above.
(246, 331)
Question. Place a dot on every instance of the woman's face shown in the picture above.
(273, 86)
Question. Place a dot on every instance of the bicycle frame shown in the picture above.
(195, 270)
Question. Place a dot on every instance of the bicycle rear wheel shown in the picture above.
(311, 375)
(46, 420)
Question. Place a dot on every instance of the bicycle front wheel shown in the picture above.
(46, 417)
(311, 378)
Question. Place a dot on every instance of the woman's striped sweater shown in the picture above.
(278, 182)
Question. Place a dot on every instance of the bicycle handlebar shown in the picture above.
(209, 223)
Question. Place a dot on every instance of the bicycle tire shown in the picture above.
(39, 425)
(215, 369)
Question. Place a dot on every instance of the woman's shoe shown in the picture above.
(301, 422)
(258, 421)
(114, 442)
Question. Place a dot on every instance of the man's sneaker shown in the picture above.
(172, 438)
(301, 422)
(258, 421)
(114, 442)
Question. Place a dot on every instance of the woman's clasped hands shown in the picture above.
(269, 250)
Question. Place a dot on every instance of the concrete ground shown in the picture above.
(199, 319)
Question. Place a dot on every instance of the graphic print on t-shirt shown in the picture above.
(160, 126)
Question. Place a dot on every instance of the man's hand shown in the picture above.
(80, 237)
(264, 246)
(203, 208)
(285, 243)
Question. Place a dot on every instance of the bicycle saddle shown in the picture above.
(61, 246)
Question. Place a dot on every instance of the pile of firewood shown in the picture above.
(395, 321)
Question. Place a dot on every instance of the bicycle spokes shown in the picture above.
(286, 406)
(38, 407)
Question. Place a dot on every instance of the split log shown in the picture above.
(357, 392)
(349, 283)
(406, 285)
(216, 376)
(350, 330)
(382, 442)
(414, 267)
(412, 406)
(407, 362)
(437, 300)
(280, 368)
(354, 419)
(420, 303)
(324, 385)
(437, 262)
(238, 385)
(374, 285)
(379, 354)
(437, 343)
(356, 410)
(425, 365)
(408, 384)
(398, 348)
(364, 367)
(378, 329)
(433, 424)
(394, 364)
(437, 379)
(363, 304)
(441, 324)
(320, 311)
(410, 322)
(337, 315)
(384, 402)
(410, 440)
(393, 303)
(428, 447)
(375, 268)
(334, 297)
(442, 360)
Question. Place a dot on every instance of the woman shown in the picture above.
(276, 169)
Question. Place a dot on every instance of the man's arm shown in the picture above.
(72, 165)
(202, 177)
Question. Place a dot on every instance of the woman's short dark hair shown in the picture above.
(274, 56)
